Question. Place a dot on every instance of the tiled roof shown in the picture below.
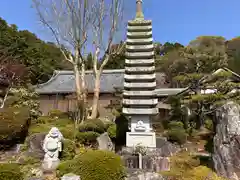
(64, 82)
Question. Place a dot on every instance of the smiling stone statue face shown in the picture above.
(54, 132)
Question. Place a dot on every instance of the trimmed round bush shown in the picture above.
(209, 124)
(43, 120)
(177, 135)
(55, 113)
(67, 133)
(112, 131)
(95, 165)
(14, 126)
(68, 151)
(92, 125)
(87, 138)
(176, 132)
(10, 172)
(200, 173)
(175, 125)
(108, 124)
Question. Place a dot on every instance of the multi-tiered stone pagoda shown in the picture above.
(139, 98)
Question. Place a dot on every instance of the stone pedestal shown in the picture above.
(146, 139)
(50, 165)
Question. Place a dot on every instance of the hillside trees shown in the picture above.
(233, 51)
(23, 47)
(192, 67)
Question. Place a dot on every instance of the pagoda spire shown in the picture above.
(139, 14)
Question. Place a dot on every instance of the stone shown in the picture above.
(35, 145)
(52, 145)
(104, 142)
(226, 142)
(145, 139)
(151, 163)
(143, 175)
(35, 178)
(139, 100)
(164, 149)
(70, 176)
(50, 165)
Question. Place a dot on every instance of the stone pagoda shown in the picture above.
(139, 97)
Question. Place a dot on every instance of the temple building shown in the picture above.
(58, 92)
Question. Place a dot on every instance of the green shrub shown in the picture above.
(25, 97)
(175, 125)
(112, 131)
(176, 132)
(108, 124)
(14, 126)
(87, 138)
(95, 165)
(39, 128)
(92, 125)
(68, 151)
(209, 124)
(55, 113)
(10, 172)
(67, 133)
(177, 135)
(98, 122)
(42, 120)
(30, 160)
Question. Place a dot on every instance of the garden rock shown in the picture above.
(70, 176)
(104, 142)
(35, 178)
(35, 145)
(226, 142)
(143, 175)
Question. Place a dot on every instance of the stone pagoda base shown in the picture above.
(146, 139)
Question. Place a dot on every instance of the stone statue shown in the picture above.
(140, 126)
(52, 145)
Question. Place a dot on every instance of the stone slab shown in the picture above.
(146, 139)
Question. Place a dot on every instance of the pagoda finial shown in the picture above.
(139, 14)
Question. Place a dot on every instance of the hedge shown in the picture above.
(10, 172)
(14, 126)
(95, 165)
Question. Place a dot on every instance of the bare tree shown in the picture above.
(69, 22)
(76, 24)
(107, 24)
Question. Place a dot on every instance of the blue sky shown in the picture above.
(173, 20)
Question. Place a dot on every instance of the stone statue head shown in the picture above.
(54, 132)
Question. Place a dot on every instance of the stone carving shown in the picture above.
(52, 145)
(226, 149)
(140, 126)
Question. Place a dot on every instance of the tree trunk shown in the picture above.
(96, 96)
(200, 121)
(78, 94)
(84, 93)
